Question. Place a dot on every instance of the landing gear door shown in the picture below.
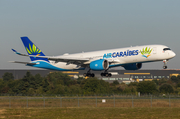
(154, 51)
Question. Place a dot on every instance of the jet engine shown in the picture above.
(134, 66)
(100, 64)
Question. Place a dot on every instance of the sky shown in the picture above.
(72, 26)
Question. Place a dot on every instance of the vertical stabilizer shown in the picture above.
(32, 49)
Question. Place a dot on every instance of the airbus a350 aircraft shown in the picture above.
(131, 58)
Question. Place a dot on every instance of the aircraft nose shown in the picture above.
(173, 54)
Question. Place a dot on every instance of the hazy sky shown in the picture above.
(72, 26)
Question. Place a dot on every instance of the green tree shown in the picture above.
(8, 76)
(160, 81)
(55, 79)
(25, 83)
(146, 87)
(80, 79)
(58, 78)
(133, 84)
(175, 79)
(45, 85)
(72, 82)
(121, 88)
(96, 86)
(116, 82)
(166, 88)
(1, 85)
(31, 91)
(178, 78)
(75, 89)
(59, 89)
(178, 85)
(39, 90)
(113, 89)
(5, 89)
(15, 87)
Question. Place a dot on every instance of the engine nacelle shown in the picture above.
(134, 66)
(98, 65)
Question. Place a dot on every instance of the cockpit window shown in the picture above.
(166, 49)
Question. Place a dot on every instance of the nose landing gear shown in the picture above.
(164, 67)
(165, 64)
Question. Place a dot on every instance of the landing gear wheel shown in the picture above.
(106, 74)
(92, 75)
(89, 74)
(164, 67)
(109, 75)
(102, 74)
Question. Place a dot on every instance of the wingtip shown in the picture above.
(16, 52)
(13, 50)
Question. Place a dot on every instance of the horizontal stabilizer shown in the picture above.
(27, 63)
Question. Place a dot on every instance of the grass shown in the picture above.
(91, 113)
(40, 103)
(79, 108)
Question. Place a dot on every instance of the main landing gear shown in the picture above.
(89, 74)
(165, 62)
(106, 74)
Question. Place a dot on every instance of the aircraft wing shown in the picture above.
(73, 60)
(19, 53)
(27, 63)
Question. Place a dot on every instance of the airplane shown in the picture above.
(131, 58)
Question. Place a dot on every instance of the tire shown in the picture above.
(164, 67)
(102, 74)
(92, 75)
(109, 75)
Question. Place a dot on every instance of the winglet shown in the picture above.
(16, 52)
(19, 53)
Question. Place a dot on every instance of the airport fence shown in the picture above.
(19, 101)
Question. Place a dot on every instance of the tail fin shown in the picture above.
(32, 49)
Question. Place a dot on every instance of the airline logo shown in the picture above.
(121, 54)
(33, 50)
(146, 52)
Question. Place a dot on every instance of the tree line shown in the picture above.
(59, 83)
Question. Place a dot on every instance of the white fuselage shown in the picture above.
(120, 56)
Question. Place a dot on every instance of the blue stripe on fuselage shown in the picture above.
(46, 65)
